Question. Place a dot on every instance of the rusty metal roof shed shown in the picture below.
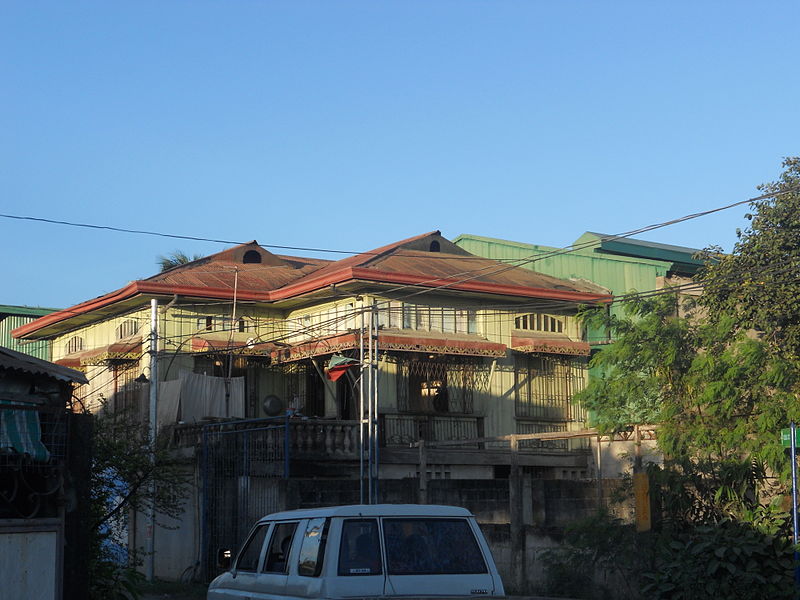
(24, 363)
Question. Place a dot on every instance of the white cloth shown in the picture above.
(193, 397)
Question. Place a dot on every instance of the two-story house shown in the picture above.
(467, 347)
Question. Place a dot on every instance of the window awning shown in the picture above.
(549, 345)
(128, 349)
(397, 341)
(234, 344)
(21, 433)
(440, 343)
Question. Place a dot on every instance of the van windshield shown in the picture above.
(431, 546)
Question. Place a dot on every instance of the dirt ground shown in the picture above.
(165, 590)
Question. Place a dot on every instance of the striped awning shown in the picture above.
(21, 433)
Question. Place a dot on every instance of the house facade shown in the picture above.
(621, 265)
(38, 477)
(467, 348)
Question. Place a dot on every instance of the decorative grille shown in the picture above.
(545, 385)
(440, 385)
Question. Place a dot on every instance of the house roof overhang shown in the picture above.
(24, 363)
(133, 295)
(349, 275)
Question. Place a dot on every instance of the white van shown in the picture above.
(363, 551)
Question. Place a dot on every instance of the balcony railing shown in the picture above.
(405, 429)
(322, 438)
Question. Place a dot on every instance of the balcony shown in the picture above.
(323, 439)
(401, 430)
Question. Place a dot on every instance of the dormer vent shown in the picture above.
(251, 257)
(435, 247)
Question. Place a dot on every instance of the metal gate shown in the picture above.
(242, 465)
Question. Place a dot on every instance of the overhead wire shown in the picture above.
(473, 273)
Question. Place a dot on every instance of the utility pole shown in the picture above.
(368, 406)
(229, 371)
(361, 407)
(151, 516)
(373, 385)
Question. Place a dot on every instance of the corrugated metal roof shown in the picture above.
(17, 361)
(412, 261)
(28, 311)
(484, 270)
(220, 271)
(415, 258)
(605, 237)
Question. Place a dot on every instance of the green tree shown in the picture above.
(755, 286)
(720, 379)
(175, 259)
(646, 365)
(124, 467)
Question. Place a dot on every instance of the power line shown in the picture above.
(352, 252)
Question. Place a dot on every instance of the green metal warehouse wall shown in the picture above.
(12, 317)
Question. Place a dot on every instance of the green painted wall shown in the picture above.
(619, 274)
(12, 317)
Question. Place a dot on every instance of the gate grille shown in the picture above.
(242, 464)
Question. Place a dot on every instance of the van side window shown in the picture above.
(420, 546)
(279, 547)
(360, 551)
(312, 550)
(248, 557)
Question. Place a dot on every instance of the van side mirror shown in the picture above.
(224, 558)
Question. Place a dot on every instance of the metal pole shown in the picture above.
(792, 431)
(361, 407)
(227, 379)
(376, 372)
(151, 517)
(369, 409)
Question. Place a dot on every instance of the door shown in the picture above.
(359, 569)
(435, 557)
(239, 582)
(270, 582)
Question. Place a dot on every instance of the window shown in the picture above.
(126, 388)
(127, 328)
(437, 385)
(539, 322)
(74, 345)
(206, 323)
(312, 550)
(544, 386)
(360, 551)
(248, 557)
(279, 548)
(435, 318)
(431, 547)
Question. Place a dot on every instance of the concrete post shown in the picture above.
(517, 525)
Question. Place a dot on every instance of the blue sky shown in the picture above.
(347, 125)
